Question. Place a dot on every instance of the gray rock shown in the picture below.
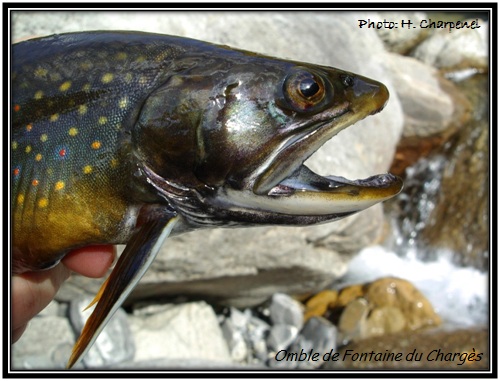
(431, 104)
(281, 336)
(285, 310)
(318, 336)
(246, 336)
(401, 39)
(114, 345)
(235, 338)
(257, 331)
(46, 344)
(460, 49)
(245, 267)
(187, 331)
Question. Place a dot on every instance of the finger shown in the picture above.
(91, 261)
(18, 332)
(32, 292)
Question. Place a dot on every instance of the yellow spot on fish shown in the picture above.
(86, 65)
(114, 163)
(140, 59)
(38, 157)
(43, 138)
(65, 86)
(107, 78)
(14, 145)
(43, 202)
(54, 117)
(86, 87)
(28, 149)
(40, 72)
(102, 120)
(87, 169)
(121, 56)
(143, 80)
(59, 185)
(82, 110)
(29, 127)
(73, 131)
(20, 198)
(96, 145)
(39, 95)
(123, 102)
(128, 77)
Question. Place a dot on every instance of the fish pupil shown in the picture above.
(309, 87)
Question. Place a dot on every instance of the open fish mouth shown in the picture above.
(307, 193)
(288, 186)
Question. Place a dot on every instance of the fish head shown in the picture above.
(243, 134)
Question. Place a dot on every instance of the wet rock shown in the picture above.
(46, 344)
(401, 40)
(234, 267)
(319, 303)
(433, 108)
(352, 320)
(348, 294)
(246, 336)
(187, 331)
(401, 294)
(234, 329)
(459, 221)
(422, 350)
(281, 336)
(236, 342)
(114, 345)
(257, 331)
(321, 336)
(461, 49)
(316, 338)
(285, 310)
(430, 102)
(383, 320)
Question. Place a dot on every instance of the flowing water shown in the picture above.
(440, 224)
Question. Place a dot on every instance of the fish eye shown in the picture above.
(309, 87)
(304, 90)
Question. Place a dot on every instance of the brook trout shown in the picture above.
(127, 137)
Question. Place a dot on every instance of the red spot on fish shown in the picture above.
(35, 182)
(16, 171)
(62, 152)
(17, 108)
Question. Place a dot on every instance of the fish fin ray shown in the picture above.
(131, 266)
(97, 297)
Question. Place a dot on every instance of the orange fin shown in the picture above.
(98, 295)
(131, 266)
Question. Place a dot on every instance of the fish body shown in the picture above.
(128, 137)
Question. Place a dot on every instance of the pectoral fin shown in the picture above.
(131, 266)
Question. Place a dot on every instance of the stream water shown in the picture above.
(447, 195)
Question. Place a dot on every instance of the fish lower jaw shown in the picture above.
(329, 196)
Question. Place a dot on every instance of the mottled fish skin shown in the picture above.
(128, 137)
(74, 103)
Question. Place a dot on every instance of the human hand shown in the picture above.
(33, 291)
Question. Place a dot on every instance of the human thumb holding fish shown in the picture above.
(33, 291)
